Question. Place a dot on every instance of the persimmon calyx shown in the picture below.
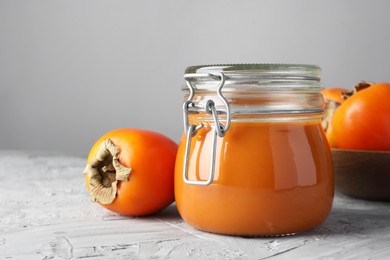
(104, 172)
(360, 86)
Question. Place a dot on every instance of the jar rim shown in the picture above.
(281, 70)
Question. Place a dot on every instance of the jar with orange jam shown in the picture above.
(254, 160)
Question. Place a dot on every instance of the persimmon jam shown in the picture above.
(271, 178)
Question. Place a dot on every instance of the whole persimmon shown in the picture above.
(362, 122)
(131, 171)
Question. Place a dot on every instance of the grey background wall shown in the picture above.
(73, 70)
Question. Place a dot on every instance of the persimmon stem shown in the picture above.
(104, 172)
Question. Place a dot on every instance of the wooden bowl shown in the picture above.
(362, 174)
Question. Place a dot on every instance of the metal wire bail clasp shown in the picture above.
(218, 129)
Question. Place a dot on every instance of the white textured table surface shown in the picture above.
(45, 213)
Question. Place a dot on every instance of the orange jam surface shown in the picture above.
(270, 179)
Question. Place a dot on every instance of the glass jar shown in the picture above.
(254, 159)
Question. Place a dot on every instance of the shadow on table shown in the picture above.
(169, 212)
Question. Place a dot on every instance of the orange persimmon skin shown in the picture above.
(334, 94)
(362, 122)
(330, 137)
(152, 158)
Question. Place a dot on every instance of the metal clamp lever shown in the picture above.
(217, 130)
(190, 132)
